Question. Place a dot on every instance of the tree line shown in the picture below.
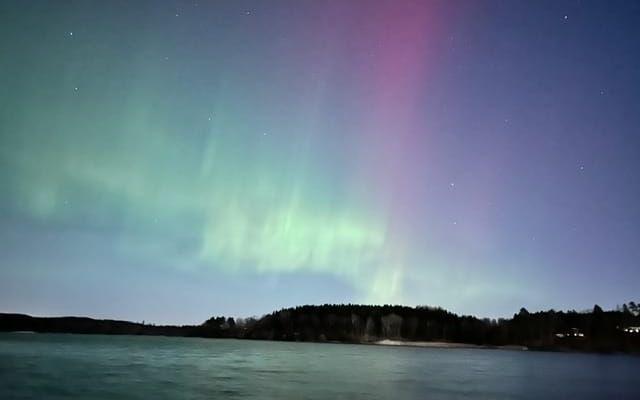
(593, 330)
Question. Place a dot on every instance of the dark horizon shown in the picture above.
(582, 310)
(593, 331)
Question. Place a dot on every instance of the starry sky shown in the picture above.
(171, 160)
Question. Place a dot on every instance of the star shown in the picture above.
(601, 92)
(566, 17)
(70, 33)
(75, 89)
(452, 184)
(455, 222)
(582, 168)
(247, 12)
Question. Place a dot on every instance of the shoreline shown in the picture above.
(445, 345)
(384, 342)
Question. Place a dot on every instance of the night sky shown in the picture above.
(169, 161)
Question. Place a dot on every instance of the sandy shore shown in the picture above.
(443, 345)
(446, 345)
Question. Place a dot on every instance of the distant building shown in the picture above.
(571, 333)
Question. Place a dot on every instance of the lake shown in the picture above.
(64, 366)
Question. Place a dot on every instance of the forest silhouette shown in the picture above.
(594, 330)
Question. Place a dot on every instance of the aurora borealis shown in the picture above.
(169, 161)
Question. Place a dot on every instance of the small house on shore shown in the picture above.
(571, 333)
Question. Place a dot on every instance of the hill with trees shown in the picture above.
(595, 330)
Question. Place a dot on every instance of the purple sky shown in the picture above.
(169, 161)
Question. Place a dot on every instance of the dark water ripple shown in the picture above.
(34, 366)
